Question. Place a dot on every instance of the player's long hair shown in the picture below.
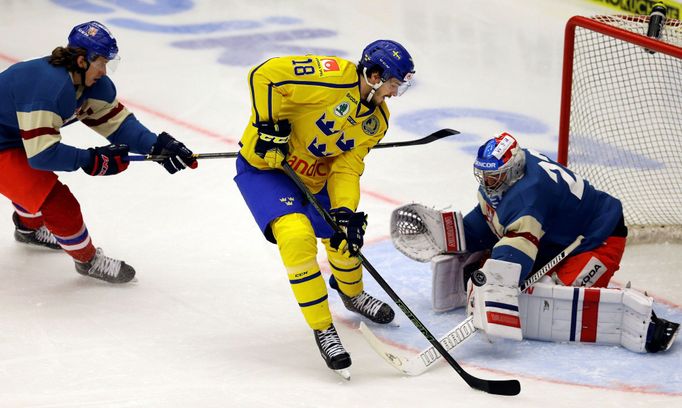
(67, 57)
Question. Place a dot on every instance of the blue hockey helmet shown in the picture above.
(393, 60)
(499, 164)
(96, 39)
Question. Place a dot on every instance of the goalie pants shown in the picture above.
(41, 200)
(593, 268)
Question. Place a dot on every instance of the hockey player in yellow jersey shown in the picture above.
(322, 115)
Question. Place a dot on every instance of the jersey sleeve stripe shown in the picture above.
(33, 133)
(91, 122)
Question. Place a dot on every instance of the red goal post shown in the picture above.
(621, 118)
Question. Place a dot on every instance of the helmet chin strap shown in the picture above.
(82, 72)
(373, 86)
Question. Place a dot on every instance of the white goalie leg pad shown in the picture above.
(495, 303)
(586, 315)
(447, 283)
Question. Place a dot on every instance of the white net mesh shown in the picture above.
(625, 125)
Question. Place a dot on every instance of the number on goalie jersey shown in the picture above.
(323, 115)
(530, 208)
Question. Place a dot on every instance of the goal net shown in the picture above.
(621, 118)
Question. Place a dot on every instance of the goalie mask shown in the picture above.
(499, 164)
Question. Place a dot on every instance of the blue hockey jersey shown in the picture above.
(38, 99)
(544, 211)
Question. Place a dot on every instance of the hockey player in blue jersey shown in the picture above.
(531, 208)
(39, 97)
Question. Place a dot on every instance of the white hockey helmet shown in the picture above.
(499, 164)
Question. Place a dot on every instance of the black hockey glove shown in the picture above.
(179, 156)
(107, 160)
(273, 142)
(353, 225)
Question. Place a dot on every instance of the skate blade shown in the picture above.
(672, 339)
(344, 373)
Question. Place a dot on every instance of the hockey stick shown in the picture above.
(439, 134)
(499, 387)
(459, 334)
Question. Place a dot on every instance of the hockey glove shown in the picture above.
(107, 160)
(273, 142)
(179, 156)
(353, 225)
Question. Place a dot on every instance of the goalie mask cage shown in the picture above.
(621, 118)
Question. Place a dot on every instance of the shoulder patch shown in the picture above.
(371, 125)
(329, 67)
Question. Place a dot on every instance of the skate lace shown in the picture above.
(330, 342)
(42, 234)
(104, 265)
(367, 304)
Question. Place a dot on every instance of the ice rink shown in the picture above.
(211, 320)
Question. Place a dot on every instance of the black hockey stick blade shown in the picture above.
(439, 134)
(497, 387)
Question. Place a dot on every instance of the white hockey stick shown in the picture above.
(424, 360)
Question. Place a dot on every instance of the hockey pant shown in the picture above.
(298, 249)
(40, 199)
(593, 268)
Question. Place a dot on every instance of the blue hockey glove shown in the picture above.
(273, 142)
(107, 160)
(179, 156)
(353, 225)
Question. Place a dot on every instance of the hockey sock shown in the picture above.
(29, 220)
(62, 216)
(347, 271)
(298, 249)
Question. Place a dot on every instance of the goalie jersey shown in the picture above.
(332, 130)
(38, 99)
(540, 215)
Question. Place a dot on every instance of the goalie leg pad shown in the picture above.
(586, 315)
(495, 304)
(447, 283)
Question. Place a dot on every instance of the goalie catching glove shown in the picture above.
(421, 233)
(353, 225)
(273, 142)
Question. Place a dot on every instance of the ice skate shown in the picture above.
(38, 237)
(331, 349)
(366, 305)
(661, 334)
(105, 268)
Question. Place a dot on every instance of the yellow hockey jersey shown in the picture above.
(332, 131)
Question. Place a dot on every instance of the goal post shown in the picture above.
(620, 123)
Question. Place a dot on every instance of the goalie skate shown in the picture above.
(105, 268)
(39, 237)
(366, 305)
(331, 349)
(661, 335)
